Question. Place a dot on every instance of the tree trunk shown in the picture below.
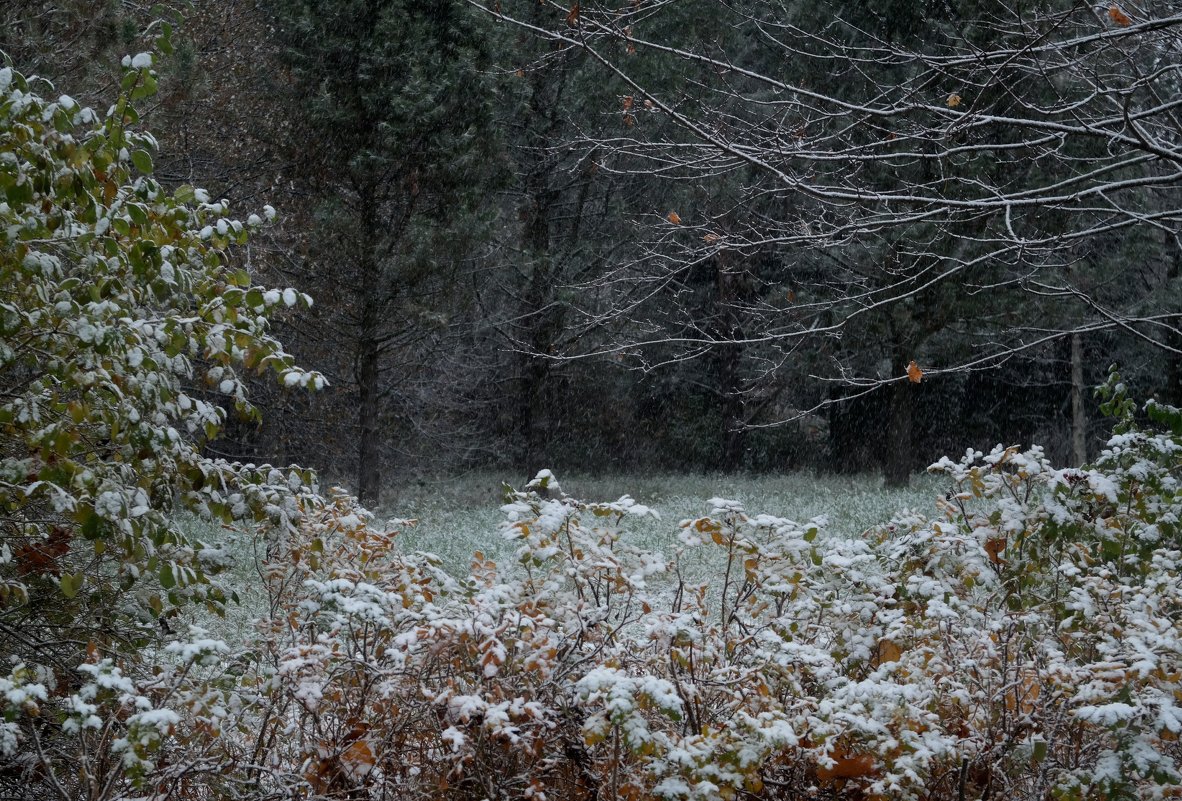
(369, 451)
(734, 433)
(1173, 393)
(897, 445)
(1079, 420)
(729, 360)
(535, 372)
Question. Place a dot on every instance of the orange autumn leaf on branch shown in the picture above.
(673, 217)
(993, 547)
(914, 373)
(572, 19)
(1118, 16)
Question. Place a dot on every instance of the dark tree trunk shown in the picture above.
(1079, 418)
(898, 434)
(369, 450)
(729, 359)
(734, 432)
(535, 373)
(1173, 392)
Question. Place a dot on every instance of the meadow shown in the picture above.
(459, 515)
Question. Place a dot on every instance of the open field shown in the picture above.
(457, 516)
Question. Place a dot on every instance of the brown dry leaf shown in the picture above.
(846, 766)
(627, 102)
(359, 753)
(993, 547)
(953, 100)
(914, 374)
(673, 217)
(520, 73)
(1023, 696)
(711, 237)
(888, 652)
(572, 19)
(1119, 17)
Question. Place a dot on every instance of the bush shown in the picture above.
(123, 327)
(1027, 642)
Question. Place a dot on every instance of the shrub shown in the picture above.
(1024, 642)
(124, 326)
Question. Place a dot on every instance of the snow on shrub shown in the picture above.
(1024, 641)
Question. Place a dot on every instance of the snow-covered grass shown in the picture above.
(460, 515)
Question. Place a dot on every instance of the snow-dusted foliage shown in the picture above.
(1027, 642)
(124, 326)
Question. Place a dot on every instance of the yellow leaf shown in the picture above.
(953, 100)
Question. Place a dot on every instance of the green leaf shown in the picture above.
(185, 194)
(71, 583)
(142, 161)
(167, 579)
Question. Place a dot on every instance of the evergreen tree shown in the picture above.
(396, 147)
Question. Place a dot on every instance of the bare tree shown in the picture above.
(951, 191)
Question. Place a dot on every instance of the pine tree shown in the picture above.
(396, 147)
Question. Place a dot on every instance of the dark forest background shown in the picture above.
(448, 194)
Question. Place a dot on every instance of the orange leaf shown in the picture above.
(846, 766)
(994, 546)
(888, 652)
(359, 753)
(572, 19)
(953, 100)
(673, 217)
(1119, 17)
(914, 373)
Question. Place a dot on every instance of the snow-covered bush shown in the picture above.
(1025, 641)
(124, 327)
